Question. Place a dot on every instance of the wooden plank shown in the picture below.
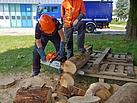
(112, 74)
(111, 68)
(116, 56)
(129, 56)
(98, 54)
(103, 67)
(93, 54)
(117, 60)
(111, 77)
(123, 56)
(90, 61)
(87, 66)
(115, 63)
(109, 55)
(130, 72)
(120, 69)
(96, 64)
(101, 80)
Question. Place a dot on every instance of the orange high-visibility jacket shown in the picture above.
(70, 10)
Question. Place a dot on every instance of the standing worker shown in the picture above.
(72, 11)
(47, 28)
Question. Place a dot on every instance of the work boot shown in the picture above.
(35, 73)
(82, 50)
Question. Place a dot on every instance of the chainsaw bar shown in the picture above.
(57, 65)
(54, 64)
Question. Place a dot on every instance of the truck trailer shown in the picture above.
(98, 13)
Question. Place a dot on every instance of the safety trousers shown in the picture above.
(80, 28)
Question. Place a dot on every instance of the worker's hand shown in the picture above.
(75, 22)
(41, 53)
(62, 48)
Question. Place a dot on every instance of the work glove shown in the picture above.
(62, 52)
(81, 15)
(75, 22)
(41, 53)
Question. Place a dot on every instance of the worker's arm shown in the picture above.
(61, 33)
(39, 48)
(81, 15)
(38, 43)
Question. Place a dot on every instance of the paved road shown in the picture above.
(30, 31)
(111, 31)
(17, 31)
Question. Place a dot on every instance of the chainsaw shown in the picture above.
(54, 60)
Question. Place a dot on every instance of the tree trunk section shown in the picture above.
(77, 91)
(126, 94)
(73, 64)
(84, 99)
(66, 79)
(34, 95)
(132, 22)
(6, 83)
(62, 90)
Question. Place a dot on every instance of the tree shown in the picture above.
(132, 22)
(122, 9)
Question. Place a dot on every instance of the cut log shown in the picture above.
(103, 93)
(76, 62)
(93, 88)
(57, 97)
(33, 95)
(126, 94)
(66, 79)
(84, 99)
(77, 91)
(6, 83)
(62, 90)
(114, 88)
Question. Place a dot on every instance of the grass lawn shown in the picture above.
(16, 51)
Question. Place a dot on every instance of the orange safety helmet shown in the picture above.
(46, 23)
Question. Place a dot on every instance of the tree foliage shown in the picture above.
(122, 9)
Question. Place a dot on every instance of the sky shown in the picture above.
(114, 5)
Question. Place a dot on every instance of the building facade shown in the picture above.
(20, 13)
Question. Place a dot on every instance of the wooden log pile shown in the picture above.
(65, 90)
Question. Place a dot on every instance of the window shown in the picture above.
(18, 17)
(23, 17)
(54, 9)
(13, 17)
(29, 17)
(48, 9)
(1, 17)
(34, 17)
(6, 17)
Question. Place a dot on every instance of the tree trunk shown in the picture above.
(126, 94)
(34, 95)
(73, 64)
(66, 79)
(132, 22)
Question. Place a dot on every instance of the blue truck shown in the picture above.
(98, 13)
